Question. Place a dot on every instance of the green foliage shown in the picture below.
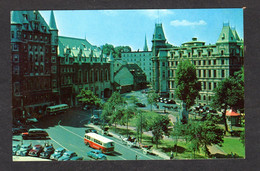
(159, 126)
(187, 85)
(152, 98)
(200, 134)
(116, 51)
(87, 97)
(113, 110)
(230, 93)
(242, 137)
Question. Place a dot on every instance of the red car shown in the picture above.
(36, 150)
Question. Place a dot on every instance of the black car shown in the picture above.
(140, 104)
(19, 130)
(88, 130)
(47, 152)
(169, 101)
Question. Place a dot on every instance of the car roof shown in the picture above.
(36, 129)
(26, 145)
(69, 152)
(38, 145)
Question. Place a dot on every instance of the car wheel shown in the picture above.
(103, 158)
(87, 144)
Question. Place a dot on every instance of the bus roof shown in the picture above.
(99, 137)
(60, 105)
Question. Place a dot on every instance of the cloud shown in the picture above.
(109, 12)
(187, 23)
(154, 14)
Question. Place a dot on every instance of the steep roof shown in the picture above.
(134, 69)
(15, 17)
(27, 17)
(158, 32)
(226, 35)
(52, 23)
(235, 34)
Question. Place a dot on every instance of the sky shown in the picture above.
(129, 27)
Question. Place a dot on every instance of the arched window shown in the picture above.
(96, 75)
(101, 76)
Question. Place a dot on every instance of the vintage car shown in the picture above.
(97, 154)
(36, 150)
(15, 148)
(24, 150)
(47, 152)
(67, 156)
(57, 153)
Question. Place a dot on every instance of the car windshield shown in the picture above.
(67, 154)
(36, 148)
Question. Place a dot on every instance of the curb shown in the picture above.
(156, 152)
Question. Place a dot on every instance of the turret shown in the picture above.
(53, 29)
(145, 44)
(158, 39)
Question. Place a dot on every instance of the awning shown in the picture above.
(232, 113)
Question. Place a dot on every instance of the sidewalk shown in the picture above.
(156, 152)
(28, 159)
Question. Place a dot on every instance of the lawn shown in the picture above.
(233, 145)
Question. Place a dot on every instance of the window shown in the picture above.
(214, 73)
(214, 62)
(53, 59)
(222, 52)
(209, 62)
(204, 73)
(209, 86)
(163, 64)
(209, 53)
(12, 34)
(222, 73)
(204, 62)
(199, 54)
(53, 69)
(209, 73)
(222, 61)
(16, 58)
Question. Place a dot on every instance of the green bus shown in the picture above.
(53, 110)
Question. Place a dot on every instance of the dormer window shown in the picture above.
(223, 36)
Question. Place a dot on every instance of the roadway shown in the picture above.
(67, 130)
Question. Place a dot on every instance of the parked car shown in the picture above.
(35, 133)
(15, 148)
(67, 156)
(211, 111)
(47, 151)
(19, 130)
(97, 154)
(31, 120)
(169, 101)
(24, 150)
(76, 158)
(36, 150)
(57, 153)
(88, 130)
(140, 104)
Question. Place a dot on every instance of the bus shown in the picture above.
(99, 142)
(51, 110)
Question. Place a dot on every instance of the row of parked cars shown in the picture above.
(47, 152)
(166, 100)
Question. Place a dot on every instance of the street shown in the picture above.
(67, 130)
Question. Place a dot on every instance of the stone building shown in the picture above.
(49, 69)
(34, 67)
(213, 62)
(142, 58)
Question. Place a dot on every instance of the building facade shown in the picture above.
(142, 58)
(49, 69)
(213, 62)
(34, 67)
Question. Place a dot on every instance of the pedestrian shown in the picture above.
(232, 155)
(171, 155)
(136, 157)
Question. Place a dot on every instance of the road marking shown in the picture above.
(115, 142)
(58, 143)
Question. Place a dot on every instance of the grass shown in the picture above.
(165, 146)
(233, 145)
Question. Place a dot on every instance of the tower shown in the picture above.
(54, 56)
(158, 41)
(145, 45)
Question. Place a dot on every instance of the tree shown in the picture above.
(187, 85)
(242, 137)
(200, 134)
(152, 98)
(178, 130)
(229, 93)
(159, 127)
(113, 109)
(130, 111)
(87, 97)
(120, 49)
(116, 51)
